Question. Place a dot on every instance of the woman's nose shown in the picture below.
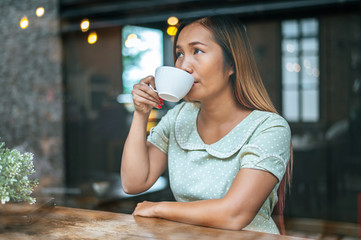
(186, 66)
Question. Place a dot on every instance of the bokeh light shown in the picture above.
(293, 67)
(290, 48)
(172, 21)
(132, 40)
(40, 11)
(84, 25)
(172, 30)
(92, 37)
(24, 22)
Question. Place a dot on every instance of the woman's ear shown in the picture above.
(231, 70)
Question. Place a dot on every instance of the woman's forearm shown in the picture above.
(135, 159)
(210, 213)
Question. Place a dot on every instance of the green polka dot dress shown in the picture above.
(199, 171)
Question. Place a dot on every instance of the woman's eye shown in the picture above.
(197, 51)
(179, 54)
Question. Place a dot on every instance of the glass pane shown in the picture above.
(142, 53)
(309, 27)
(290, 105)
(290, 66)
(310, 105)
(310, 72)
(290, 28)
(309, 45)
(290, 47)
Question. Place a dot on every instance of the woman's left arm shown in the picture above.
(234, 211)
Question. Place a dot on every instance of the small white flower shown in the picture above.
(15, 168)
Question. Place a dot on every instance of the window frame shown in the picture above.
(299, 37)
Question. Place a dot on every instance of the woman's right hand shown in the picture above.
(144, 97)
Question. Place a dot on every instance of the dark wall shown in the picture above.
(95, 122)
(325, 178)
(327, 175)
(265, 41)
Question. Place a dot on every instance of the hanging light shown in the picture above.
(40, 11)
(84, 25)
(92, 37)
(172, 30)
(24, 22)
(172, 21)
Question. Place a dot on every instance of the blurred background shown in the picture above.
(67, 68)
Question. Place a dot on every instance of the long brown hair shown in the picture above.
(248, 87)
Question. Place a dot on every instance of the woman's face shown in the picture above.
(198, 54)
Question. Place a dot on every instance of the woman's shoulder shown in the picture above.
(270, 119)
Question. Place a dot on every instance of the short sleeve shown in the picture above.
(159, 135)
(269, 147)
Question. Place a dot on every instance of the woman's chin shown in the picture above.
(191, 97)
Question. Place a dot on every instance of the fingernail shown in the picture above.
(160, 99)
(159, 106)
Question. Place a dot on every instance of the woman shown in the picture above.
(226, 149)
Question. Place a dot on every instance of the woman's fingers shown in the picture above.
(145, 209)
(145, 97)
(143, 92)
(149, 80)
(142, 98)
(150, 89)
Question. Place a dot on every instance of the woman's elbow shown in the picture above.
(132, 188)
(235, 225)
(129, 189)
(239, 221)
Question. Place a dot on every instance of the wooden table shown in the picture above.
(72, 223)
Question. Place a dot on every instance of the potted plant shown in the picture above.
(15, 186)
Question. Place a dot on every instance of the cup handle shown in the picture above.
(150, 85)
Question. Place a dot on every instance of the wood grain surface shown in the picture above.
(72, 223)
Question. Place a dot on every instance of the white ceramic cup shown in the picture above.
(172, 83)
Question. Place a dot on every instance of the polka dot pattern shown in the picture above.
(200, 171)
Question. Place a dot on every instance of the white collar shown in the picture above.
(188, 138)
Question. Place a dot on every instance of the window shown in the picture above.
(300, 70)
(142, 53)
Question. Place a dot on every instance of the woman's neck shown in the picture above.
(221, 110)
(217, 118)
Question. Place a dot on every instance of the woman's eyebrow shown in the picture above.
(196, 43)
(192, 44)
